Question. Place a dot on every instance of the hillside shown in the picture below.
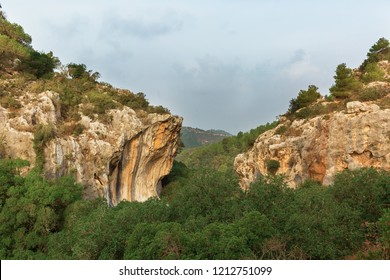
(220, 155)
(195, 137)
(64, 121)
(321, 136)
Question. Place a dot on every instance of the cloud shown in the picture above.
(145, 27)
(300, 65)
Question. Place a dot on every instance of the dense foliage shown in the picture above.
(304, 99)
(345, 82)
(202, 215)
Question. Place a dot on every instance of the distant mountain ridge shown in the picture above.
(195, 137)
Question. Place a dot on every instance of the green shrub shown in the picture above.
(39, 64)
(32, 212)
(345, 82)
(10, 102)
(366, 190)
(272, 166)
(373, 73)
(78, 129)
(372, 93)
(14, 31)
(101, 102)
(384, 232)
(304, 99)
(281, 130)
(322, 227)
(42, 135)
(11, 50)
(79, 71)
(379, 51)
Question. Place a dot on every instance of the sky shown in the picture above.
(221, 64)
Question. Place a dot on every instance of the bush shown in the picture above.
(322, 227)
(78, 129)
(10, 102)
(42, 135)
(79, 71)
(372, 93)
(11, 50)
(39, 64)
(379, 51)
(101, 102)
(32, 212)
(14, 31)
(281, 130)
(345, 82)
(373, 73)
(304, 99)
(366, 190)
(272, 166)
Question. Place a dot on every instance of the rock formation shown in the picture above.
(320, 147)
(135, 173)
(124, 158)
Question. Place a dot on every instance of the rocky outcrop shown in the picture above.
(320, 147)
(135, 173)
(142, 145)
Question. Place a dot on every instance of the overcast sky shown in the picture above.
(224, 64)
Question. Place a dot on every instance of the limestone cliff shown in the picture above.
(318, 148)
(135, 173)
(125, 156)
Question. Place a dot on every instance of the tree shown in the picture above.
(79, 71)
(379, 51)
(33, 211)
(40, 64)
(304, 98)
(345, 82)
(373, 73)
(14, 31)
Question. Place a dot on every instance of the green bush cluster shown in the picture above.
(373, 73)
(42, 135)
(372, 93)
(379, 51)
(15, 45)
(349, 84)
(346, 83)
(304, 99)
(202, 215)
(272, 166)
(10, 102)
(32, 209)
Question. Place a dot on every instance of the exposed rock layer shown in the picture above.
(320, 147)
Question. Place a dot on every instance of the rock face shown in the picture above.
(135, 173)
(320, 147)
(131, 151)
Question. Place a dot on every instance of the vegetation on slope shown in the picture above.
(350, 84)
(220, 155)
(23, 69)
(195, 137)
(202, 215)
